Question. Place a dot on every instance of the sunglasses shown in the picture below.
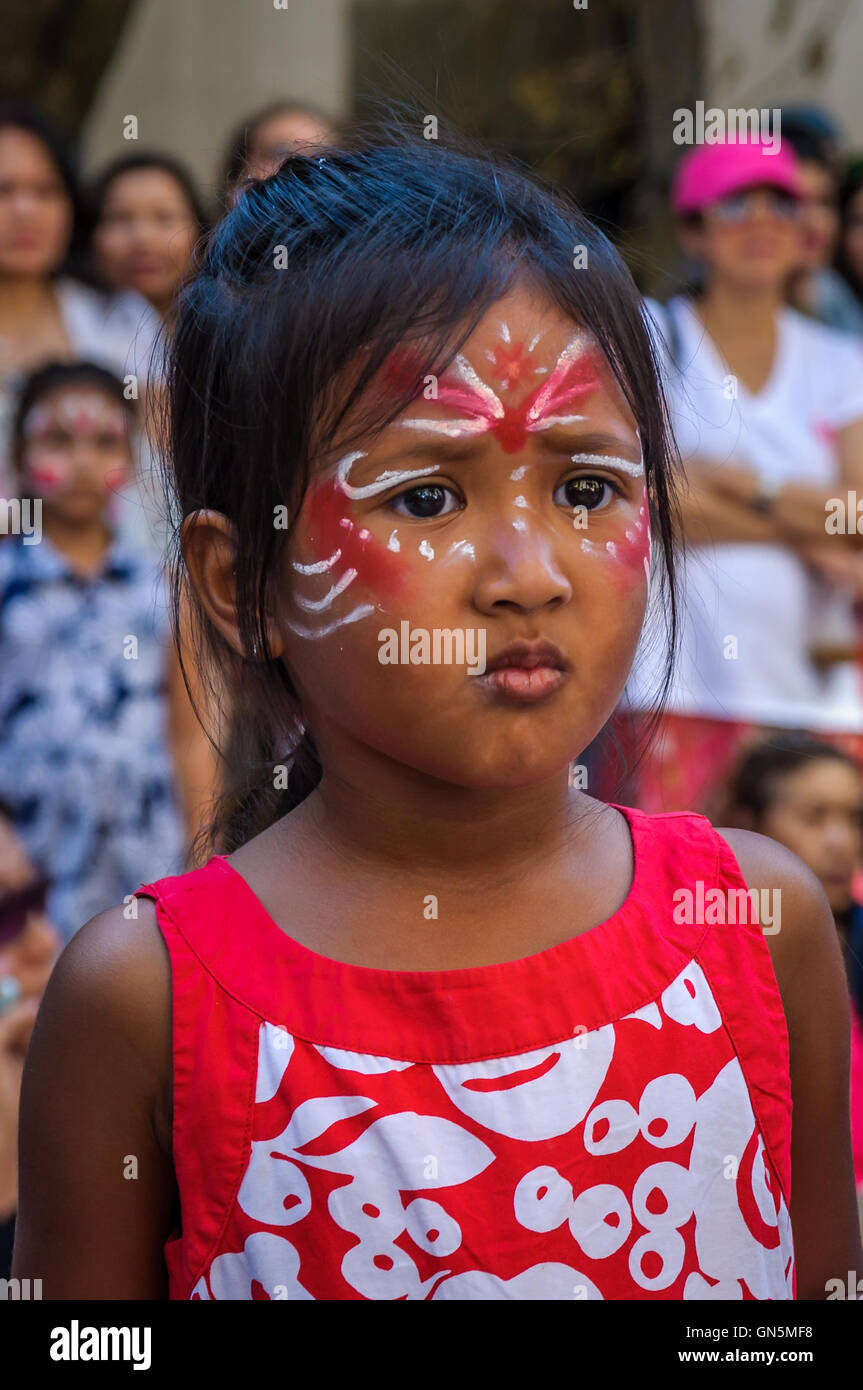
(737, 207)
(15, 908)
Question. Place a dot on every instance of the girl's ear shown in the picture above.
(208, 540)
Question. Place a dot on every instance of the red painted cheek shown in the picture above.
(331, 528)
(116, 476)
(633, 548)
(47, 473)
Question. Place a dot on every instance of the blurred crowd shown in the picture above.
(106, 774)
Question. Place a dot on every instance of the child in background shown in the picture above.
(95, 721)
(438, 1031)
(808, 795)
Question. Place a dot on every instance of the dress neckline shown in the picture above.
(444, 1016)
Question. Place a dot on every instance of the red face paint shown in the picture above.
(46, 473)
(572, 377)
(116, 476)
(330, 528)
(510, 365)
(630, 554)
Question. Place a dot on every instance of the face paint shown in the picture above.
(630, 554)
(635, 470)
(116, 476)
(86, 413)
(48, 472)
(426, 550)
(346, 551)
(576, 373)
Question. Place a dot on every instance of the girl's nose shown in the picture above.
(518, 568)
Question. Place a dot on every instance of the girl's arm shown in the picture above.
(97, 1197)
(807, 961)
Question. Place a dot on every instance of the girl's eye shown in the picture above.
(426, 501)
(591, 493)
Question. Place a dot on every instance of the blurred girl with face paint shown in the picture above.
(49, 311)
(433, 1023)
(97, 739)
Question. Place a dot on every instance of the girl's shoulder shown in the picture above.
(110, 993)
(802, 929)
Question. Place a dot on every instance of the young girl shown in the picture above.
(95, 720)
(443, 1030)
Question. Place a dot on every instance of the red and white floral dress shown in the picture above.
(607, 1119)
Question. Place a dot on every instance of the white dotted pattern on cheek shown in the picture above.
(519, 525)
(520, 501)
(394, 543)
(517, 474)
(426, 550)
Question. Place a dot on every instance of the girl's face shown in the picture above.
(35, 210)
(750, 239)
(465, 590)
(852, 234)
(818, 813)
(819, 215)
(75, 451)
(146, 234)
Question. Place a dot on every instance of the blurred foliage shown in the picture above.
(585, 96)
(55, 51)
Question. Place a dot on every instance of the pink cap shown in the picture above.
(710, 172)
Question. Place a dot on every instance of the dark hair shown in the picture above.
(396, 238)
(20, 115)
(238, 149)
(754, 785)
(852, 182)
(130, 164)
(812, 147)
(55, 376)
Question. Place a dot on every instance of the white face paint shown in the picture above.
(314, 633)
(487, 406)
(519, 525)
(460, 548)
(393, 543)
(390, 478)
(635, 470)
(520, 501)
(426, 550)
(320, 567)
(318, 605)
(517, 474)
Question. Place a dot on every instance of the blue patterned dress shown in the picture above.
(84, 756)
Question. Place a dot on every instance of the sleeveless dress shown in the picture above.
(607, 1119)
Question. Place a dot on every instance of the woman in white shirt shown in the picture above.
(767, 409)
(46, 312)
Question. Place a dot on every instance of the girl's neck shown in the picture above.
(729, 309)
(432, 830)
(84, 546)
(22, 297)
